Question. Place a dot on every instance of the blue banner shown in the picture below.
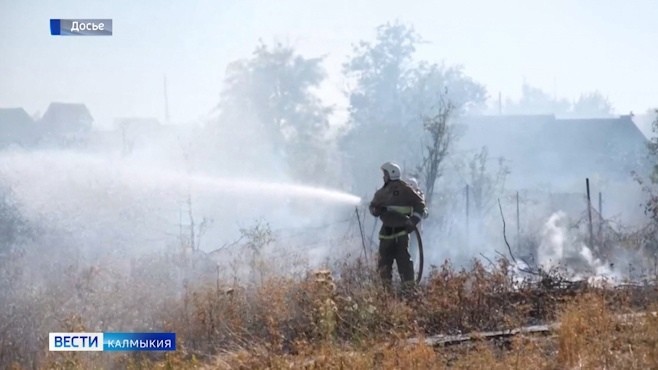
(139, 341)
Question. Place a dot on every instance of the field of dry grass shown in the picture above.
(341, 319)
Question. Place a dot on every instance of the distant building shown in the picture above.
(66, 123)
(549, 160)
(543, 150)
(16, 127)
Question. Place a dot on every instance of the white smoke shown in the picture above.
(553, 243)
(562, 248)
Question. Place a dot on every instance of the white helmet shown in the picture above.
(392, 169)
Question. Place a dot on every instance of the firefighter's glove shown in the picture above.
(411, 223)
(377, 210)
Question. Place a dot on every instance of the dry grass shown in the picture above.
(343, 319)
(322, 323)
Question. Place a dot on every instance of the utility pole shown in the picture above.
(166, 101)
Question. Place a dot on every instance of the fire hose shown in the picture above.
(420, 255)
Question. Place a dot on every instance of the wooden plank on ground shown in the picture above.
(446, 340)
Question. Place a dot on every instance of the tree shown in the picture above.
(270, 113)
(652, 204)
(379, 72)
(257, 238)
(535, 101)
(376, 110)
(430, 88)
(433, 84)
(649, 185)
(591, 105)
(437, 94)
(392, 100)
(439, 137)
(485, 187)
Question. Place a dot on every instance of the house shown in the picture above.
(542, 151)
(16, 127)
(551, 158)
(65, 123)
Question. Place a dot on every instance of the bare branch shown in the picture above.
(488, 259)
(504, 234)
(436, 151)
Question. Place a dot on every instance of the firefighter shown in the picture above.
(400, 209)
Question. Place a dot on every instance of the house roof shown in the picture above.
(610, 134)
(16, 127)
(67, 116)
(14, 116)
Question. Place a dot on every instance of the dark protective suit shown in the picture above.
(399, 207)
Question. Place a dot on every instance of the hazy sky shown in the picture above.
(564, 47)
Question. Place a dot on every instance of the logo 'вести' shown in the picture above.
(112, 341)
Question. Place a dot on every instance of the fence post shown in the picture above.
(589, 215)
(600, 218)
(467, 211)
(518, 223)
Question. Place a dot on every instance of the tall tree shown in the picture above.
(437, 143)
(437, 94)
(431, 85)
(269, 110)
(392, 99)
(379, 72)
